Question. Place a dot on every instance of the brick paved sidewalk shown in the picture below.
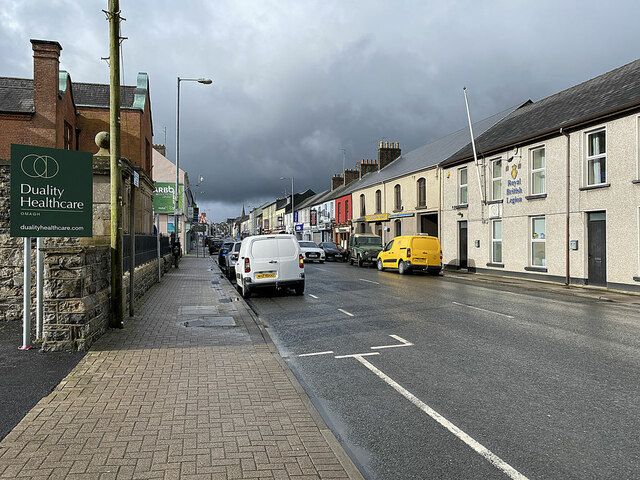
(159, 399)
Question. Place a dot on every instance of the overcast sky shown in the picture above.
(295, 81)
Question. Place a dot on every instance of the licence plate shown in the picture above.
(265, 275)
(312, 255)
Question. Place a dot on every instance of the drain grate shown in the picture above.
(215, 282)
(211, 322)
(224, 300)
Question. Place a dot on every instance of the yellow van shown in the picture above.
(412, 252)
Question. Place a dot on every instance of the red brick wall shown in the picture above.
(14, 129)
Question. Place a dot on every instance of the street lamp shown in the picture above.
(292, 209)
(176, 204)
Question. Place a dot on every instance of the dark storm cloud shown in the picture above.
(295, 81)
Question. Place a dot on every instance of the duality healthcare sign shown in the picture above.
(51, 192)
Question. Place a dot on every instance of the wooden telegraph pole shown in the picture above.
(117, 309)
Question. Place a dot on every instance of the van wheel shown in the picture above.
(360, 262)
(245, 292)
(299, 289)
(402, 268)
(380, 267)
(350, 260)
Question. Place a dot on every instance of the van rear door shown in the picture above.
(289, 267)
(264, 259)
(425, 251)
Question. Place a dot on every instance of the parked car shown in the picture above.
(333, 251)
(364, 248)
(412, 253)
(312, 252)
(232, 259)
(222, 254)
(270, 261)
(214, 246)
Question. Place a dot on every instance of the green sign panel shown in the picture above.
(163, 197)
(51, 192)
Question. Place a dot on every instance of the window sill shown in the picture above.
(498, 265)
(491, 202)
(536, 269)
(536, 196)
(460, 207)
(635, 181)
(595, 187)
(398, 211)
(637, 279)
(421, 207)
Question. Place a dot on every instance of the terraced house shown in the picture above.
(555, 193)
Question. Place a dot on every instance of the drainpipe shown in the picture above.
(567, 280)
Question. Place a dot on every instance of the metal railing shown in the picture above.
(146, 249)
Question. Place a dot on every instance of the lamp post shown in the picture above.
(176, 203)
(292, 206)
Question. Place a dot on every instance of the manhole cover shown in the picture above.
(198, 310)
(211, 322)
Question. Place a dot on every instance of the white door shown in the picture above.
(288, 262)
(264, 259)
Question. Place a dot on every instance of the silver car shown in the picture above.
(232, 259)
(311, 251)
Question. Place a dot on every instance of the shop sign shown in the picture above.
(342, 229)
(163, 197)
(402, 215)
(51, 192)
(299, 227)
(379, 217)
(514, 185)
(314, 218)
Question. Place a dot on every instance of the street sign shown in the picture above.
(136, 179)
(51, 192)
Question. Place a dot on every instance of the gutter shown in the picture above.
(567, 191)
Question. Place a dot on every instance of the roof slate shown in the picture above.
(606, 94)
(97, 95)
(16, 95)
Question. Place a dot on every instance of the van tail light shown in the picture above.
(301, 261)
(440, 255)
(408, 253)
(247, 267)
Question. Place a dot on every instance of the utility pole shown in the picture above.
(117, 310)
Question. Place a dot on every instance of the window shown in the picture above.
(362, 207)
(538, 171)
(422, 192)
(496, 179)
(397, 195)
(346, 210)
(147, 156)
(378, 201)
(496, 241)
(339, 212)
(596, 158)
(362, 227)
(462, 186)
(398, 228)
(68, 136)
(538, 240)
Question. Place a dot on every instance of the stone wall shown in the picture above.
(145, 277)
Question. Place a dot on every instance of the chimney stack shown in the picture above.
(366, 166)
(46, 72)
(160, 148)
(336, 181)
(350, 176)
(388, 153)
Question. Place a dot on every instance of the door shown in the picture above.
(462, 244)
(597, 248)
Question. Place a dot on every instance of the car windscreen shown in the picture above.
(369, 241)
(308, 244)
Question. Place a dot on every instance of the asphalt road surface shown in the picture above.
(432, 377)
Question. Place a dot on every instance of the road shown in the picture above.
(475, 381)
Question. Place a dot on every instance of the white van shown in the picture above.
(269, 261)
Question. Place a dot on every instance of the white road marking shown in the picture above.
(346, 313)
(475, 445)
(316, 353)
(403, 343)
(482, 309)
(355, 355)
(369, 281)
(312, 296)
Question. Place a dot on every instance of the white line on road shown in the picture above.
(346, 313)
(369, 281)
(355, 355)
(482, 309)
(316, 353)
(403, 343)
(312, 296)
(476, 446)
